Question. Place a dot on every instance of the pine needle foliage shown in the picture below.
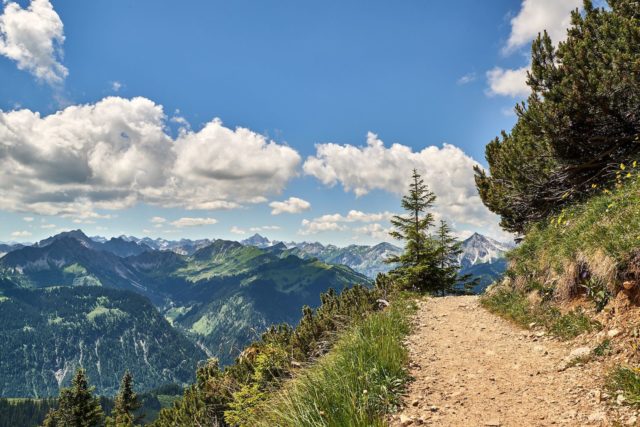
(579, 123)
(77, 406)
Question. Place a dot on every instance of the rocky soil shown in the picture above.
(472, 368)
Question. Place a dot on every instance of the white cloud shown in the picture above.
(22, 233)
(116, 153)
(28, 219)
(33, 38)
(48, 226)
(536, 16)
(116, 86)
(193, 222)
(375, 230)
(337, 222)
(507, 82)
(158, 220)
(467, 78)
(292, 205)
(237, 230)
(447, 170)
(313, 227)
(264, 228)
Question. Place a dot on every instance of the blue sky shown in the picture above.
(220, 119)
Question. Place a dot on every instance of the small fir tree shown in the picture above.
(77, 406)
(415, 264)
(126, 405)
(449, 280)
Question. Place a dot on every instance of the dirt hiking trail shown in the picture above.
(472, 368)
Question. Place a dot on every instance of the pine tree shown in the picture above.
(578, 125)
(126, 404)
(416, 263)
(449, 280)
(77, 406)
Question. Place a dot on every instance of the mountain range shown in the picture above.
(157, 307)
(75, 301)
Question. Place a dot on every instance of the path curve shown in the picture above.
(472, 368)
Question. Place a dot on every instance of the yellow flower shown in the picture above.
(622, 166)
(635, 163)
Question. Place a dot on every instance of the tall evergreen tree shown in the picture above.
(77, 406)
(126, 404)
(416, 262)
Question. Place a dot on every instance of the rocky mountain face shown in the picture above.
(484, 259)
(182, 246)
(367, 260)
(214, 301)
(479, 249)
(258, 241)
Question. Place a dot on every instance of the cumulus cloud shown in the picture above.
(314, 227)
(507, 82)
(447, 170)
(338, 222)
(536, 16)
(237, 230)
(158, 220)
(375, 230)
(22, 233)
(28, 219)
(264, 228)
(116, 86)
(292, 205)
(33, 38)
(193, 222)
(116, 152)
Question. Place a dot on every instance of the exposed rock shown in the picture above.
(597, 416)
(613, 333)
(405, 420)
(579, 352)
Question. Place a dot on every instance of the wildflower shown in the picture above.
(622, 166)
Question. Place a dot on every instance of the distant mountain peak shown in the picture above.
(72, 234)
(257, 240)
(480, 249)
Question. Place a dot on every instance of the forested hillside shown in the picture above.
(70, 296)
(48, 333)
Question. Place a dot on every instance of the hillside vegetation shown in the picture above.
(566, 178)
(356, 384)
(48, 333)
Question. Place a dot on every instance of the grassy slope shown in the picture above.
(600, 233)
(355, 384)
(587, 249)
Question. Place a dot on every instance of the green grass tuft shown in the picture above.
(356, 384)
(626, 380)
(514, 306)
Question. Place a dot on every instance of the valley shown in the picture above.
(183, 301)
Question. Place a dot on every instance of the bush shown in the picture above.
(233, 394)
